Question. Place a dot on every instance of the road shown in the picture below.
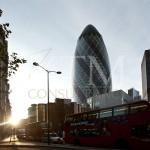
(41, 148)
(19, 148)
(15, 144)
(45, 148)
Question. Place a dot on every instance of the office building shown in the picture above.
(109, 99)
(37, 113)
(134, 94)
(92, 74)
(32, 113)
(5, 108)
(145, 67)
(41, 112)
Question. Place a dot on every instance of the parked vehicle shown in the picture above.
(34, 132)
(54, 138)
(21, 134)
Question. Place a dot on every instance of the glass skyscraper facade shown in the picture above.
(92, 74)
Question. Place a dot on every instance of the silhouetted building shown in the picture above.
(5, 108)
(134, 94)
(92, 74)
(57, 112)
(32, 113)
(145, 67)
(41, 112)
(37, 113)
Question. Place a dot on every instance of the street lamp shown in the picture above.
(58, 72)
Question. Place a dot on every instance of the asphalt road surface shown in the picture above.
(19, 148)
(41, 148)
(20, 145)
(44, 148)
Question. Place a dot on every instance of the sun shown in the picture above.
(14, 121)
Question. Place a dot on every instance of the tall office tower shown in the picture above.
(145, 67)
(91, 66)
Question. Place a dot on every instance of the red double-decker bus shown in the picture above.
(126, 125)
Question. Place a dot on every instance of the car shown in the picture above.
(21, 134)
(53, 137)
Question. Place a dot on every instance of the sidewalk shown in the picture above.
(16, 143)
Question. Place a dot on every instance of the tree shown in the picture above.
(13, 61)
(1, 12)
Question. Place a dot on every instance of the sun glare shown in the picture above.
(14, 121)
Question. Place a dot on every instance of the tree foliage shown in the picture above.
(1, 12)
(14, 61)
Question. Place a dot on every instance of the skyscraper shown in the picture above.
(145, 67)
(91, 66)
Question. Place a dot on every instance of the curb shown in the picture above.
(52, 146)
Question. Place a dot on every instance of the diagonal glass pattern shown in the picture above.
(92, 74)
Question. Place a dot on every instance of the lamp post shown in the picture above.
(58, 72)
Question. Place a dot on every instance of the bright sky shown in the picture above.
(46, 31)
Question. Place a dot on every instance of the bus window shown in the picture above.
(84, 117)
(138, 108)
(88, 132)
(98, 115)
(75, 119)
(141, 130)
(92, 116)
(106, 113)
(120, 111)
(69, 119)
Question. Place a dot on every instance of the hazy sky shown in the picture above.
(46, 31)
